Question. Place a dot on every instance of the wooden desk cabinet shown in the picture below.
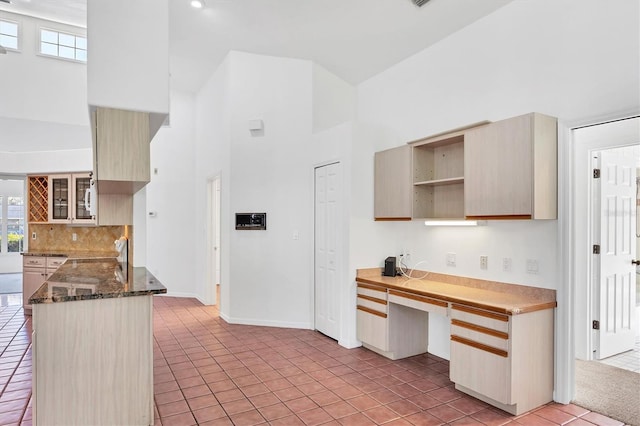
(504, 360)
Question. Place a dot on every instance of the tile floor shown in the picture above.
(629, 360)
(209, 372)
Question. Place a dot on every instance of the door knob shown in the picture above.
(635, 262)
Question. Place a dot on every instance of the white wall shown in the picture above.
(43, 101)
(170, 252)
(271, 271)
(41, 88)
(46, 161)
(267, 276)
(334, 100)
(213, 158)
(128, 58)
(504, 65)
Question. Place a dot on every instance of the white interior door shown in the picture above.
(617, 292)
(327, 254)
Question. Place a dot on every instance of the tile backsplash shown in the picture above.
(60, 237)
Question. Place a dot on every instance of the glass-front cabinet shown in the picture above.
(67, 199)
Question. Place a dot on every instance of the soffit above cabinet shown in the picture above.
(128, 62)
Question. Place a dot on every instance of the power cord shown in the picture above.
(408, 275)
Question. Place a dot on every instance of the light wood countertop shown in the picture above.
(510, 299)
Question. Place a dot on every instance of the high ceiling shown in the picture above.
(354, 39)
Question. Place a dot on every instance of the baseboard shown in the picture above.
(266, 323)
(182, 295)
(349, 343)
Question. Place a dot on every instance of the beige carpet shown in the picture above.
(608, 390)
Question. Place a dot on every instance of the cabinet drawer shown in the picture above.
(478, 334)
(34, 261)
(372, 291)
(54, 263)
(491, 320)
(372, 328)
(418, 302)
(372, 303)
(484, 372)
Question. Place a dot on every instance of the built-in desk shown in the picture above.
(501, 334)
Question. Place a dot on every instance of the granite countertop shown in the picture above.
(97, 278)
(72, 254)
(510, 299)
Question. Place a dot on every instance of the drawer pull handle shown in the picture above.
(480, 312)
(480, 329)
(371, 311)
(372, 299)
(372, 287)
(419, 298)
(480, 346)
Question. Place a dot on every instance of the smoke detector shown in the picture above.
(420, 3)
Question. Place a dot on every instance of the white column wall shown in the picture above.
(171, 195)
(213, 158)
(272, 275)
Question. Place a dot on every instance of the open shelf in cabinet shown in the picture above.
(438, 177)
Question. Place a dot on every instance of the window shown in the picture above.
(9, 34)
(62, 45)
(11, 215)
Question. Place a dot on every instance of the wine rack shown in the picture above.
(38, 199)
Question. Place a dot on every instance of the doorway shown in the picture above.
(577, 300)
(12, 223)
(328, 254)
(213, 241)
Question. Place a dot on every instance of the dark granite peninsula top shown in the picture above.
(98, 278)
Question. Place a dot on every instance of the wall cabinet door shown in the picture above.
(80, 183)
(60, 198)
(510, 169)
(66, 195)
(121, 152)
(392, 184)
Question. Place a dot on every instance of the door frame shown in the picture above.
(573, 161)
(213, 214)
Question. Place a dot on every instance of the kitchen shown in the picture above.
(390, 101)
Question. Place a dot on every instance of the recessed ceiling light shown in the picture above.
(198, 4)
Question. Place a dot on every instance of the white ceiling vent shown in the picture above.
(420, 3)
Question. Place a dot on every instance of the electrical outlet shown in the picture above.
(33, 235)
(506, 264)
(451, 259)
(532, 266)
(484, 262)
(74, 237)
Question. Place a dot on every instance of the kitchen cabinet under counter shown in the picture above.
(93, 344)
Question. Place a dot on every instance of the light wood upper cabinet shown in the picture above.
(121, 150)
(115, 209)
(438, 177)
(510, 169)
(392, 177)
